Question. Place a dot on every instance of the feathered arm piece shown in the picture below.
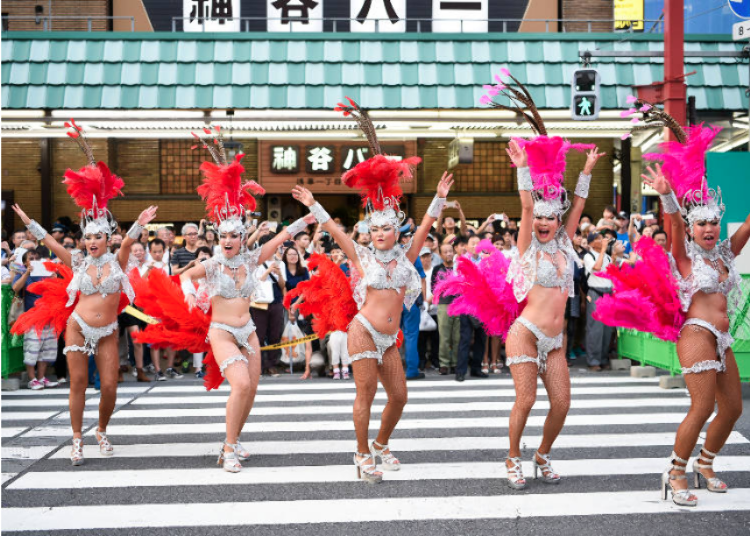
(520, 99)
(482, 291)
(645, 296)
(49, 309)
(326, 296)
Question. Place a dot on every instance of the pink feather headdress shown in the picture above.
(226, 196)
(92, 187)
(546, 154)
(378, 177)
(684, 160)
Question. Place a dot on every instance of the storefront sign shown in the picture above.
(378, 15)
(211, 15)
(295, 15)
(627, 13)
(459, 16)
(318, 166)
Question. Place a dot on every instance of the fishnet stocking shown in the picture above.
(366, 373)
(706, 388)
(556, 381)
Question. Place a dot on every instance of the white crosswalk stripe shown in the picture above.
(453, 435)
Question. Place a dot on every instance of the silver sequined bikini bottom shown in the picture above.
(382, 341)
(723, 341)
(240, 334)
(91, 336)
(544, 345)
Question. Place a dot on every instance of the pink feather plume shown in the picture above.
(546, 157)
(644, 296)
(481, 291)
(685, 164)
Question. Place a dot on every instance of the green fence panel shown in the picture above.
(12, 351)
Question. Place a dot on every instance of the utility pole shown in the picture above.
(675, 90)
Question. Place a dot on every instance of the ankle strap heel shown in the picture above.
(714, 484)
(229, 460)
(515, 474)
(548, 474)
(389, 461)
(367, 470)
(76, 454)
(681, 497)
(105, 447)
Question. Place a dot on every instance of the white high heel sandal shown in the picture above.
(389, 461)
(516, 481)
(76, 455)
(549, 476)
(715, 485)
(105, 447)
(228, 460)
(367, 471)
(681, 497)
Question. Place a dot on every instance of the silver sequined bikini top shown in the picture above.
(377, 276)
(705, 278)
(115, 280)
(220, 283)
(537, 266)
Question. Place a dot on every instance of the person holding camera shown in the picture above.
(598, 335)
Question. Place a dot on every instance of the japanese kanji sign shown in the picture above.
(389, 15)
(295, 15)
(459, 16)
(319, 159)
(211, 15)
(284, 159)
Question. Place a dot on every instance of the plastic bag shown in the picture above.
(426, 322)
(297, 352)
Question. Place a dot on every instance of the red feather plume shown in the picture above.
(327, 296)
(222, 183)
(93, 181)
(377, 178)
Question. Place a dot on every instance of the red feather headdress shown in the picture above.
(377, 178)
(92, 187)
(226, 196)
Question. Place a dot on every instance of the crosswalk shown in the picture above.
(452, 440)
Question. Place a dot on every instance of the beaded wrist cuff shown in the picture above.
(436, 207)
(524, 179)
(296, 227)
(320, 213)
(582, 188)
(135, 231)
(670, 203)
(37, 230)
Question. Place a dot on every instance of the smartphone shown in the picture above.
(450, 204)
(255, 222)
(289, 244)
(362, 228)
(272, 226)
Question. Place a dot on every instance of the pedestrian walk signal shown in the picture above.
(585, 103)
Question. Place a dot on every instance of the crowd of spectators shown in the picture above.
(433, 338)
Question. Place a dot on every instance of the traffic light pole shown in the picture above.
(675, 89)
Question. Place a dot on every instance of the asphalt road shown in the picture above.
(452, 441)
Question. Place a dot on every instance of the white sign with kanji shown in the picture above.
(211, 15)
(295, 15)
(284, 159)
(455, 16)
(379, 16)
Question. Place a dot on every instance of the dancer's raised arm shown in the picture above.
(41, 234)
(581, 192)
(134, 234)
(518, 156)
(432, 214)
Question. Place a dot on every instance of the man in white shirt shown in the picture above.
(598, 335)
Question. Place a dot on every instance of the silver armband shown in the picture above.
(37, 230)
(436, 207)
(582, 188)
(320, 213)
(670, 203)
(296, 227)
(135, 231)
(188, 288)
(524, 179)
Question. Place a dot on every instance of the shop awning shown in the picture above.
(314, 71)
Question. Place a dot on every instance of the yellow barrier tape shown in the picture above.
(132, 311)
(290, 343)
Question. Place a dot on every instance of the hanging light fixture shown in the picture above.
(233, 148)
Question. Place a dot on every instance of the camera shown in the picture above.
(289, 244)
